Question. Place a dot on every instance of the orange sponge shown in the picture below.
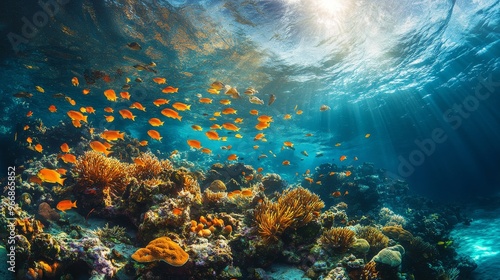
(162, 249)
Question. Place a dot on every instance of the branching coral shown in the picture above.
(117, 233)
(293, 208)
(148, 166)
(338, 238)
(98, 174)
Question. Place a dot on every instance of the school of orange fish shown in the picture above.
(175, 112)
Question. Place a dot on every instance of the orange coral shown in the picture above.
(148, 166)
(294, 208)
(162, 249)
(212, 222)
(338, 238)
(370, 271)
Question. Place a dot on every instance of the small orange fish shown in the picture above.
(287, 117)
(112, 135)
(213, 91)
(160, 80)
(108, 110)
(254, 112)
(230, 126)
(225, 101)
(367, 135)
(212, 135)
(29, 140)
(154, 134)
(90, 110)
(125, 95)
(299, 112)
(308, 179)
(38, 148)
(338, 144)
(76, 123)
(232, 157)
(170, 89)
(342, 158)
(86, 91)
(68, 158)
(288, 144)
(62, 171)
(194, 144)
(336, 194)
(64, 205)
(181, 106)
(126, 114)
(216, 114)
(286, 162)
(177, 211)
(215, 127)
(99, 147)
(76, 116)
(265, 118)
(155, 122)
(50, 176)
(348, 173)
(255, 147)
(217, 85)
(331, 173)
(171, 114)
(138, 106)
(160, 101)
(205, 100)
(26, 127)
(70, 101)
(247, 192)
(259, 136)
(52, 108)
(65, 148)
(229, 111)
(83, 110)
(75, 81)
(29, 114)
(196, 127)
(139, 162)
(36, 180)
(346, 193)
(238, 120)
(260, 169)
(109, 118)
(206, 151)
(261, 126)
(143, 143)
(110, 95)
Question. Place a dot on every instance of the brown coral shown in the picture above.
(375, 238)
(370, 271)
(148, 166)
(162, 249)
(397, 233)
(294, 208)
(338, 238)
(217, 186)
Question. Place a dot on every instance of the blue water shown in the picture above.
(423, 78)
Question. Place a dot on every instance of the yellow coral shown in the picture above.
(375, 238)
(338, 238)
(294, 208)
(397, 233)
(162, 249)
(148, 166)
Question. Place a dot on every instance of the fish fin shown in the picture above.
(61, 181)
(74, 204)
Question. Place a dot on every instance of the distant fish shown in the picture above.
(23, 94)
(135, 46)
(272, 98)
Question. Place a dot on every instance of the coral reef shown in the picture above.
(162, 249)
(338, 239)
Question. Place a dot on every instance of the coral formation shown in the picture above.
(162, 249)
(339, 239)
(391, 256)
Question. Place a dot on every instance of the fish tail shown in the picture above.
(61, 181)
(74, 204)
(180, 118)
(85, 118)
(189, 107)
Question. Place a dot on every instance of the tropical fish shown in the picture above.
(64, 205)
(142, 67)
(61, 171)
(217, 85)
(70, 101)
(196, 127)
(109, 118)
(76, 123)
(108, 110)
(272, 98)
(135, 46)
(230, 126)
(288, 144)
(76, 116)
(215, 126)
(367, 135)
(342, 158)
(52, 108)
(112, 135)
(299, 112)
(212, 135)
(338, 144)
(85, 91)
(259, 136)
(155, 122)
(177, 211)
(255, 147)
(125, 95)
(228, 111)
(75, 81)
(99, 147)
(38, 148)
(138, 106)
(90, 110)
(232, 91)
(238, 120)
(205, 100)
(238, 136)
(348, 173)
(194, 143)
(50, 176)
(29, 140)
(324, 108)
(171, 114)
(260, 169)
(305, 153)
(160, 80)
(206, 151)
(212, 91)
(26, 127)
(126, 86)
(154, 134)
(181, 106)
(256, 100)
(232, 157)
(39, 89)
(254, 112)
(262, 125)
(160, 101)
(170, 89)
(110, 95)
(23, 94)
(29, 114)
(126, 114)
(250, 91)
(286, 162)
(68, 158)
(143, 143)
(287, 117)
(336, 194)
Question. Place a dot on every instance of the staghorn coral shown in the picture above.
(100, 176)
(370, 271)
(294, 208)
(375, 238)
(116, 234)
(162, 249)
(339, 239)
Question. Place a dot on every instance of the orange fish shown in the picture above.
(75, 81)
(342, 158)
(286, 162)
(288, 144)
(225, 101)
(338, 144)
(137, 105)
(177, 211)
(215, 126)
(29, 114)
(76, 123)
(64, 205)
(216, 114)
(367, 135)
(336, 194)
(38, 148)
(35, 179)
(50, 176)
(260, 169)
(254, 112)
(109, 118)
(110, 95)
(287, 117)
(29, 140)
(126, 114)
(108, 110)
(348, 173)
(26, 127)
(83, 110)
(232, 157)
(160, 101)
(205, 100)
(65, 148)
(170, 89)
(52, 108)
(112, 135)
(139, 162)
(90, 110)
(238, 120)
(258, 136)
(196, 127)
(194, 144)
(86, 91)
(171, 114)
(228, 111)
(181, 106)
(125, 95)
(143, 143)
(160, 80)
(206, 151)
(76, 116)
(62, 171)
(238, 136)
(213, 91)
(255, 147)
(346, 193)
(230, 126)
(68, 158)
(261, 126)
(265, 118)
(299, 112)
(99, 147)
(212, 135)
(331, 173)
(310, 180)
(154, 134)
(70, 101)
(217, 85)
(247, 192)
(155, 122)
